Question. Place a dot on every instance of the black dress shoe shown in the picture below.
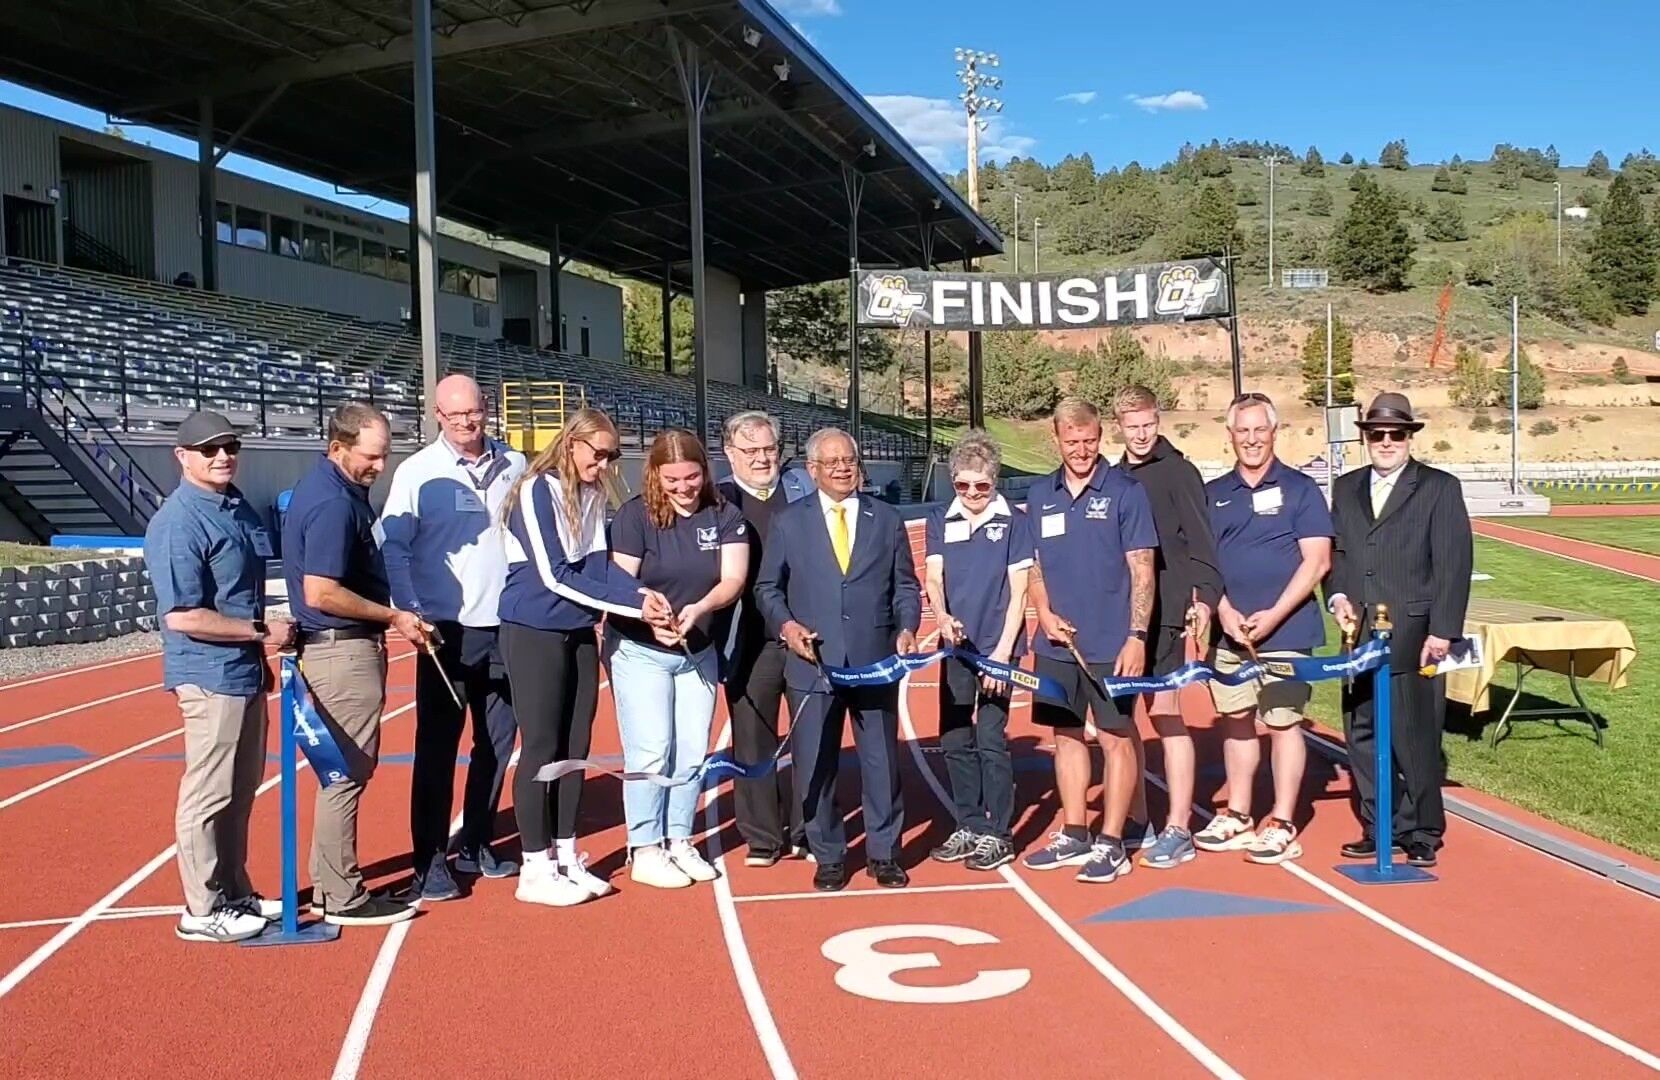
(1364, 848)
(888, 874)
(830, 877)
(1420, 854)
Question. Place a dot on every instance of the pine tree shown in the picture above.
(1530, 384)
(1210, 225)
(1624, 251)
(1393, 155)
(1313, 164)
(1119, 362)
(1372, 246)
(1342, 364)
(1472, 386)
(1459, 185)
(1597, 167)
(1446, 222)
(1020, 375)
(1346, 159)
(1442, 181)
(1319, 202)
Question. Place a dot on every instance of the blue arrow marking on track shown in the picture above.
(1200, 904)
(19, 756)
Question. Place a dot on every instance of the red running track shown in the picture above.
(1621, 560)
(1512, 964)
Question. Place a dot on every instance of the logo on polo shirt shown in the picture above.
(994, 530)
(1097, 508)
(708, 539)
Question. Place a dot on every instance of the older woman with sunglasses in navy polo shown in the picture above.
(979, 551)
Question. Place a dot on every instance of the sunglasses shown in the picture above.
(1386, 435)
(978, 487)
(231, 449)
(1252, 395)
(603, 455)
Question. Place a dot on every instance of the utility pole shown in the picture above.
(1272, 161)
(1333, 449)
(1037, 223)
(1017, 232)
(974, 103)
(1559, 223)
(1515, 397)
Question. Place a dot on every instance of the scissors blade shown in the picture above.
(432, 651)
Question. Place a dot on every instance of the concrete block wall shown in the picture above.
(71, 602)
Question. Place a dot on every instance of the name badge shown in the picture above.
(468, 502)
(1267, 501)
(956, 532)
(262, 543)
(1052, 525)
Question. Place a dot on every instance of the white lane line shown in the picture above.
(109, 916)
(113, 897)
(66, 673)
(1137, 996)
(917, 890)
(1537, 550)
(79, 708)
(1464, 964)
(743, 966)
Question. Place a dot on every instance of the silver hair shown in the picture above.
(1251, 403)
(818, 437)
(738, 423)
(978, 451)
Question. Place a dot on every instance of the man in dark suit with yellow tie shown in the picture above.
(838, 585)
(1403, 539)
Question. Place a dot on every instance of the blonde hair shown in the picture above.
(671, 447)
(1133, 399)
(558, 457)
(1076, 410)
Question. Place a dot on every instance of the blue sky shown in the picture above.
(1134, 81)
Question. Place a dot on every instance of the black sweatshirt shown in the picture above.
(1187, 551)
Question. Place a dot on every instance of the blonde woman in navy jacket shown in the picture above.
(560, 580)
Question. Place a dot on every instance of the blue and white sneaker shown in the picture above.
(1138, 836)
(436, 884)
(1062, 850)
(482, 860)
(1173, 847)
(1107, 862)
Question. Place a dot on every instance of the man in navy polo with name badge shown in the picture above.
(338, 590)
(1273, 543)
(441, 537)
(205, 550)
(1093, 587)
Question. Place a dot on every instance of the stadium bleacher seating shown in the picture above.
(144, 354)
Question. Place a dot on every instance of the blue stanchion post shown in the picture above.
(1385, 871)
(291, 932)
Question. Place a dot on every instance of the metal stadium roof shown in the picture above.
(554, 118)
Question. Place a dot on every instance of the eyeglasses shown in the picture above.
(750, 453)
(1252, 395)
(978, 487)
(603, 455)
(1377, 435)
(836, 462)
(465, 414)
(210, 452)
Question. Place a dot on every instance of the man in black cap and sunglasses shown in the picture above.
(1403, 540)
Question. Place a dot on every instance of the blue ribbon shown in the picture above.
(894, 668)
(315, 739)
(720, 765)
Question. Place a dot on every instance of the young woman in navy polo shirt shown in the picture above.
(559, 579)
(979, 551)
(681, 538)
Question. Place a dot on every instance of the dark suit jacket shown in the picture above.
(1415, 556)
(857, 616)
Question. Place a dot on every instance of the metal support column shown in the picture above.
(976, 371)
(668, 322)
(853, 185)
(424, 244)
(927, 244)
(694, 91)
(556, 265)
(206, 200)
(1233, 329)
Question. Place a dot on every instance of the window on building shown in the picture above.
(374, 258)
(250, 229)
(449, 276)
(397, 264)
(285, 237)
(224, 223)
(485, 286)
(347, 254)
(585, 343)
(314, 245)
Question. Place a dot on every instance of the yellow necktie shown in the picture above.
(763, 494)
(839, 539)
(1380, 495)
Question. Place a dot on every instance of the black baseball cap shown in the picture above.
(204, 428)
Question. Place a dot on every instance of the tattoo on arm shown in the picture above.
(1141, 587)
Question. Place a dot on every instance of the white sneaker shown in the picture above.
(652, 866)
(595, 885)
(548, 886)
(685, 855)
(226, 924)
(255, 904)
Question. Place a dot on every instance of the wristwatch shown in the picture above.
(261, 629)
(1139, 635)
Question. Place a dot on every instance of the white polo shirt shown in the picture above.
(441, 534)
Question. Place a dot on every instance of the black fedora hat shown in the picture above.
(1390, 410)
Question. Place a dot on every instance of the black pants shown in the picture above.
(472, 660)
(555, 680)
(976, 752)
(816, 748)
(754, 692)
(1419, 708)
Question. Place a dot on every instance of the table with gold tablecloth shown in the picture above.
(1539, 638)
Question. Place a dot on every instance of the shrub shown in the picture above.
(1481, 422)
(1504, 427)
(1442, 446)
(1542, 427)
(1592, 418)
(1622, 371)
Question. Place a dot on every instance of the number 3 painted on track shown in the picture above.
(868, 973)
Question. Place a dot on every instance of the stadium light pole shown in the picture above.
(1273, 160)
(1558, 223)
(974, 103)
(694, 89)
(1515, 396)
(425, 239)
(1017, 232)
(1037, 223)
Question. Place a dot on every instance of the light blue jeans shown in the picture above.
(665, 706)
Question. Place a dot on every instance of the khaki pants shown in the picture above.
(224, 758)
(348, 683)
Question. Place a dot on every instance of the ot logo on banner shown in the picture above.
(870, 974)
(1183, 292)
(892, 301)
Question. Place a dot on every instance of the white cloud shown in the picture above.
(1079, 97)
(808, 9)
(802, 30)
(1175, 101)
(939, 130)
(1109, 116)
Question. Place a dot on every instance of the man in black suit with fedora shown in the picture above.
(1403, 540)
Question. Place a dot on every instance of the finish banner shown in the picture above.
(943, 300)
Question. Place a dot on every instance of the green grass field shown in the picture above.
(1568, 497)
(30, 554)
(1635, 534)
(1614, 793)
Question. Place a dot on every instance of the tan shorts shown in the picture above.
(1278, 702)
